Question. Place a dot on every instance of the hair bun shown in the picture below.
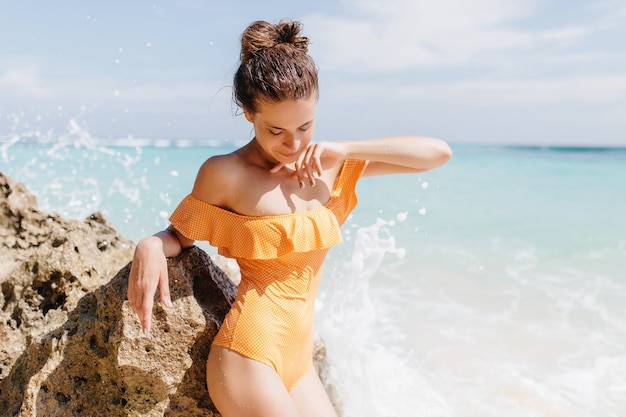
(262, 35)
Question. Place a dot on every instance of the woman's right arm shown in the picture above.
(149, 271)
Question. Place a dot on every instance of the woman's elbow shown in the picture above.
(441, 152)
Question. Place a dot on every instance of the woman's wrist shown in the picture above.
(149, 243)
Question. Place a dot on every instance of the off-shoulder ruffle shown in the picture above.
(251, 237)
(268, 237)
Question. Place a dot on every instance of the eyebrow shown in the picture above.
(282, 128)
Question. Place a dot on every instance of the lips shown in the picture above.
(289, 155)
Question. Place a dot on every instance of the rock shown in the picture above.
(99, 362)
(47, 264)
(69, 350)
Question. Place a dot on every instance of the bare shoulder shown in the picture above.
(216, 179)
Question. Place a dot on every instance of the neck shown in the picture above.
(256, 155)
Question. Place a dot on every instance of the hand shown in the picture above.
(147, 272)
(314, 159)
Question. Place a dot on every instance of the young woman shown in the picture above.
(276, 206)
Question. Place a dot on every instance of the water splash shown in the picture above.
(371, 377)
(73, 174)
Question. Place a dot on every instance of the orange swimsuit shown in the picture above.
(280, 258)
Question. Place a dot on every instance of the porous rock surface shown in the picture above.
(99, 362)
(70, 343)
(47, 264)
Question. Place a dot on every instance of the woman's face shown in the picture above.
(284, 129)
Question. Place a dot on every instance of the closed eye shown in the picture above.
(305, 127)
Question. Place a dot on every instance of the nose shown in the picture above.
(291, 141)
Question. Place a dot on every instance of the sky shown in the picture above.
(521, 72)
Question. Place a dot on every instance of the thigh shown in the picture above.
(243, 387)
(311, 398)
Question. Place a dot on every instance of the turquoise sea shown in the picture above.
(494, 286)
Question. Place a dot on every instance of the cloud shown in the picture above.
(401, 35)
(27, 85)
(29, 102)
(570, 33)
(575, 92)
(587, 91)
(24, 82)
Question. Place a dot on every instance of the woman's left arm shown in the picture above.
(399, 154)
(391, 155)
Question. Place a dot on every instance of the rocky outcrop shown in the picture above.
(99, 362)
(71, 345)
(47, 264)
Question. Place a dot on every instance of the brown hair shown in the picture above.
(274, 65)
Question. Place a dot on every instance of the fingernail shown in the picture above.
(146, 332)
(168, 303)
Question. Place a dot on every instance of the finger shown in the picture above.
(141, 297)
(164, 288)
(299, 169)
(304, 166)
(313, 161)
(145, 314)
(131, 291)
(277, 167)
(309, 172)
(316, 160)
